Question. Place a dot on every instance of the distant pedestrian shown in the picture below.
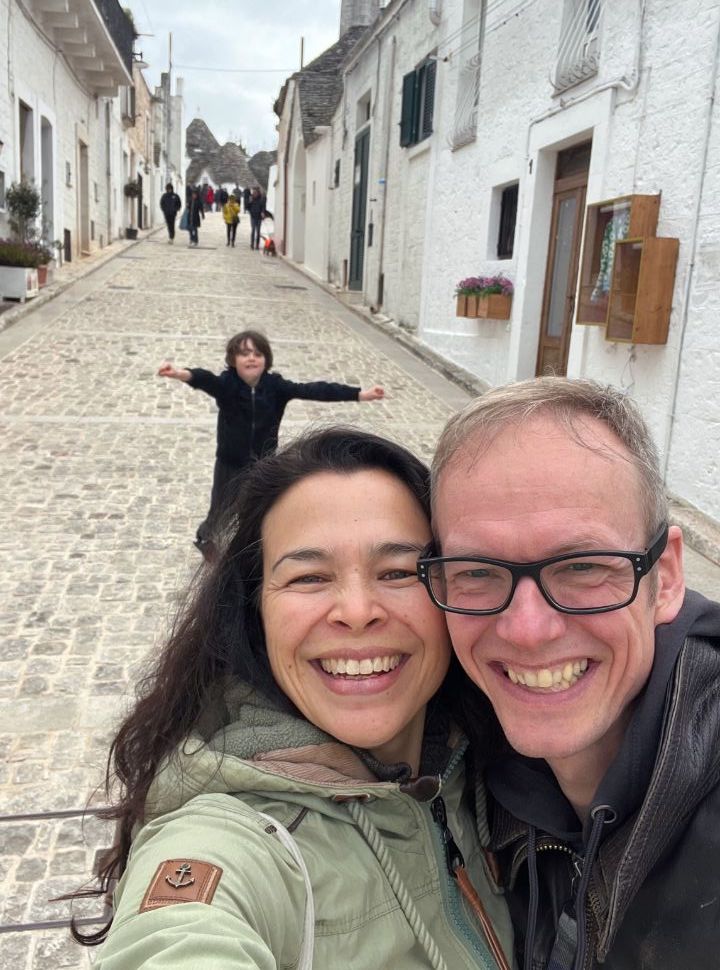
(231, 215)
(256, 209)
(221, 198)
(195, 216)
(237, 192)
(251, 403)
(246, 199)
(170, 204)
(209, 198)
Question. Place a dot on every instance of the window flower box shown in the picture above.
(484, 297)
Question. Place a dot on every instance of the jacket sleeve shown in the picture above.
(253, 922)
(205, 380)
(316, 391)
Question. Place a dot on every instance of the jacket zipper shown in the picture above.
(456, 868)
(252, 423)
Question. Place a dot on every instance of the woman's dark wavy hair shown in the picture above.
(218, 635)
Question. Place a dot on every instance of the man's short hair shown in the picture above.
(565, 399)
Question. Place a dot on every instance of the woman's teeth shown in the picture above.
(549, 678)
(360, 668)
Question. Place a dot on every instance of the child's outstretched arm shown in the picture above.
(374, 393)
(166, 369)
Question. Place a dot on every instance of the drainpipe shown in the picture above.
(285, 174)
(108, 171)
(693, 249)
(435, 11)
(386, 163)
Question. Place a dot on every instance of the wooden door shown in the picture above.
(563, 261)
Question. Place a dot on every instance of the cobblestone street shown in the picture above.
(107, 473)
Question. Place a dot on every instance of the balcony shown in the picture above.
(95, 36)
(579, 49)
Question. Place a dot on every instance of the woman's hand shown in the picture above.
(374, 393)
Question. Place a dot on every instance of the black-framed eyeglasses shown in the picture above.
(597, 581)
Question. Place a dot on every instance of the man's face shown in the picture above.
(537, 492)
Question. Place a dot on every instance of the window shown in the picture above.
(336, 180)
(508, 217)
(68, 176)
(579, 49)
(468, 63)
(418, 102)
(2, 190)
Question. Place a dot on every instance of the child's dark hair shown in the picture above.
(237, 343)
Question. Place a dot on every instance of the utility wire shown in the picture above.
(237, 70)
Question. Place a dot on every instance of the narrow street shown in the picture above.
(107, 473)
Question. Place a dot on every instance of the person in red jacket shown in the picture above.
(251, 402)
(209, 198)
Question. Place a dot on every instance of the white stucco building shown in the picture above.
(480, 137)
(78, 120)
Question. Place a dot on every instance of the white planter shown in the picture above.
(18, 283)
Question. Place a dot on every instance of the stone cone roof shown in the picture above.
(224, 164)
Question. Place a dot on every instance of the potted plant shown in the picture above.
(132, 191)
(21, 256)
(485, 297)
(19, 263)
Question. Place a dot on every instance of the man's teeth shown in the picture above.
(555, 679)
(360, 668)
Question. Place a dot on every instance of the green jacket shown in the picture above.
(374, 855)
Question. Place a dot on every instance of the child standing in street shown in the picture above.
(251, 402)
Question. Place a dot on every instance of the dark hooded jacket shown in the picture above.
(249, 417)
(638, 887)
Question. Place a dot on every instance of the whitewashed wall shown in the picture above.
(650, 134)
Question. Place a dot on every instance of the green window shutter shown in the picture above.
(428, 105)
(408, 117)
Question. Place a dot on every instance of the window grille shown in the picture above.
(579, 48)
(468, 81)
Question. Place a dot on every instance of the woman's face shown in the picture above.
(352, 637)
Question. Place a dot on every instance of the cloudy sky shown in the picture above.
(259, 36)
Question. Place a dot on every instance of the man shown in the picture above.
(566, 605)
(170, 204)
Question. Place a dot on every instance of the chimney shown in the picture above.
(357, 13)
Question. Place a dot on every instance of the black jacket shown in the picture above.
(249, 417)
(170, 203)
(195, 212)
(652, 892)
(256, 206)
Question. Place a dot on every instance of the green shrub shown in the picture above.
(23, 202)
(29, 255)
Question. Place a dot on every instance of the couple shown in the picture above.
(310, 780)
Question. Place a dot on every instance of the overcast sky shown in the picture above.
(252, 34)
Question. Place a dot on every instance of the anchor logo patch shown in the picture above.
(181, 881)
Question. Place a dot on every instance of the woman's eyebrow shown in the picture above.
(398, 548)
(300, 555)
(376, 552)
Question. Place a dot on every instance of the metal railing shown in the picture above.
(119, 27)
(579, 49)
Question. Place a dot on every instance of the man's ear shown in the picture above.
(670, 579)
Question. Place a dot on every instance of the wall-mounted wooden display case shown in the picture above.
(627, 217)
(640, 298)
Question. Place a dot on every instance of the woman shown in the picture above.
(256, 208)
(282, 771)
(195, 216)
(231, 215)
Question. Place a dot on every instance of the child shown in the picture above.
(251, 402)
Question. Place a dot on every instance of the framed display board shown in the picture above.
(606, 223)
(640, 298)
